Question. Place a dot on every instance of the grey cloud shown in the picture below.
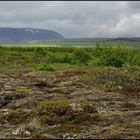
(134, 5)
(75, 18)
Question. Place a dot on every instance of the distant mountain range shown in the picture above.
(21, 35)
(17, 35)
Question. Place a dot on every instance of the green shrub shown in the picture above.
(135, 61)
(115, 57)
(68, 58)
(39, 51)
(46, 67)
(81, 56)
(2, 63)
(39, 54)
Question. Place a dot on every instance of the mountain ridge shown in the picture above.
(22, 35)
(17, 35)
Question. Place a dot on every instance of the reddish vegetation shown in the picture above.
(71, 104)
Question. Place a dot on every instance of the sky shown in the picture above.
(74, 19)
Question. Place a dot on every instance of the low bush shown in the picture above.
(45, 67)
(60, 112)
(81, 56)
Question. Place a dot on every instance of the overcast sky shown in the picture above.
(74, 18)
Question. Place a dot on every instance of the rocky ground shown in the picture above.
(104, 114)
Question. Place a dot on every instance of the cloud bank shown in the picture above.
(75, 18)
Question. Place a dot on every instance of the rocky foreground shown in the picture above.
(68, 104)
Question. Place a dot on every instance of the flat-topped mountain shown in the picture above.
(16, 35)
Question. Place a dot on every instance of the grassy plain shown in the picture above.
(69, 91)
